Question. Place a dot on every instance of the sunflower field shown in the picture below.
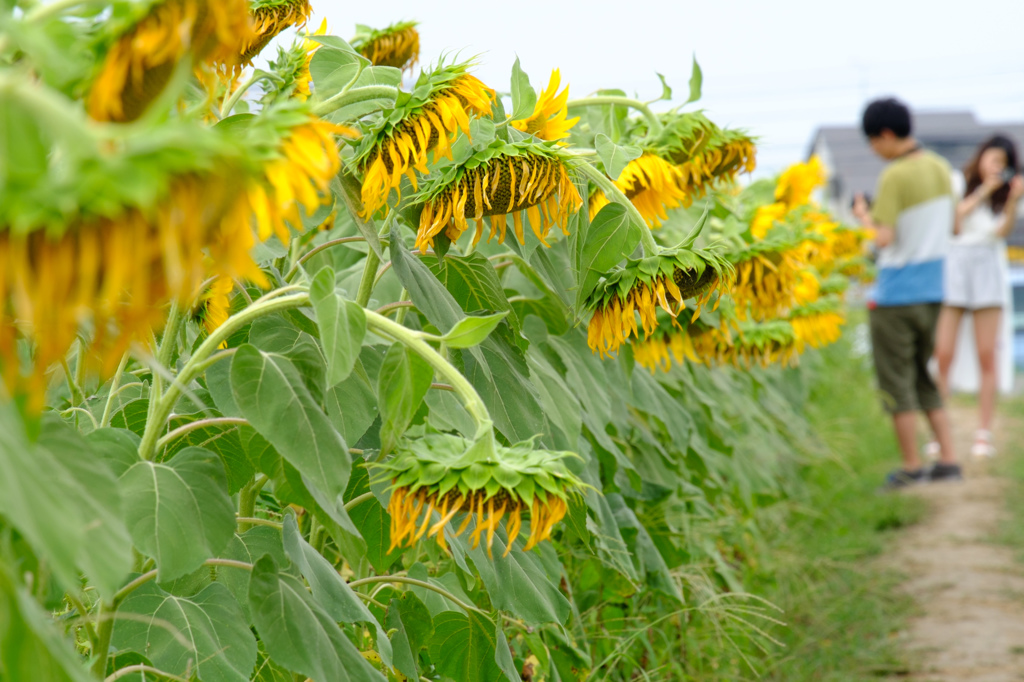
(323, 364)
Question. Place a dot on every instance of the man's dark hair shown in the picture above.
(886, 114)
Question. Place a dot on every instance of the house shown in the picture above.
(853, 168)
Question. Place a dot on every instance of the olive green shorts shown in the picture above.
(902, 341)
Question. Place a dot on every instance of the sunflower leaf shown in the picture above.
(524, 97)
(666, 90)
(696, 81)
(471, 331)
(613, 156)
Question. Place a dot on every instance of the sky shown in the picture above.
(779, 69)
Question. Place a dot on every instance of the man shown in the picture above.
(912, 219)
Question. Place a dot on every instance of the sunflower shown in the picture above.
(765, 218)
(436, 473)
(399, 143)
(796, 183)
(817, 324)
(270, 17)
(548, 120)
(705, 154)
(397, 45)
(292, 69)
(114, 274)
(754, 344)
(139, 64)
(503, 178)
(657, 352)
(214, 305)
(767, 277)
(652, 184)
(666, 280)
(300, 176)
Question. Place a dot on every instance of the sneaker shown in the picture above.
(902, 479)
(982, 444)
(945, 472)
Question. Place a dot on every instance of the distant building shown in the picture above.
(853, 168)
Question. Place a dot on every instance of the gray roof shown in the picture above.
(954, 135)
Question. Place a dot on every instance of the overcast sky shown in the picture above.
(779, 68)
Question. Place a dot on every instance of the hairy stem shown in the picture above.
(197, 363)
(418, 583)
(312, 252)
(355, 96)
(115, 384)
(199, 424)
(652, 120)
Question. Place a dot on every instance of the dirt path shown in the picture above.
(970, 590)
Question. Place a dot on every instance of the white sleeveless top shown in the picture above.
(979, 227)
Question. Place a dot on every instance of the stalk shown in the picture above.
(652, 120)
(418, 583)
(651, 247)
(197, 363)
(114, 386)
(363, 94)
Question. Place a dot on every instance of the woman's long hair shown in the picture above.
(973, 177)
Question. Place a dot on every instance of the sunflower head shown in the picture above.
(398, 45)
(424, 121)
(504, 178)
(434, 474)
(548, 120)
(767, 275)
(765, 218)
(292, 69)
(665, 281)
(796, 183)
(141, 60)
(705, 153)
(213, 307)
(817, 324)
(653, 185)
(765, 344)
(270, 17)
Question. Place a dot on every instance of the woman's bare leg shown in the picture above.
(945, 344)
(986, 337)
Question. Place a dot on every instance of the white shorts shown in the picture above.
(973, 277)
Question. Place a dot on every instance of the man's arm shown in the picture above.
(883, 234)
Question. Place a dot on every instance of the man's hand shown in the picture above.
(861, 210)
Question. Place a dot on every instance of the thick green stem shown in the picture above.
(115, 384)
(237, 94)
(197, 363)
(143, 668)
(613, 193)
(414, 340)
(418, 583)
(652, 120)
(369, 275)
(199, 424)
(103, 636)
(246, 505)
(358, 500)
(355, 96)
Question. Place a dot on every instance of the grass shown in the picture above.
(842, 607)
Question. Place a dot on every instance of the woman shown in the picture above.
(974, 271)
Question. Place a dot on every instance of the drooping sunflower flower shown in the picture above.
(300, 176)
(796, 183)
(214, 305)
(270, 17)
(652, 184)
(139, 64)
(666, 280)
(292, 69)
(522, 177)
(765, 218)
(834, 284)
(434, 474)
(765, 344)
(657, 351)
(548, 120)
(398, 45)
(767, 275)
(705, 154)
(817, 324)
(420, 123)
(114, 274)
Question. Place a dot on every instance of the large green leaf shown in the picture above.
(248, 547)
(31, 648)
(425, 290)
(471, 331)
(342, 326)
(179, 511)
(329, 590)
(403, 381)
(412, 626)
(274, 399)
(298, 633)
(277, 334)
(499, 373)
(464, 647)
(517, 583)
(118, 448)
(473, 282)
(352, 405)
(649, 560)
(64, 500)
(612, 237)
(206, 635)
(613, 156)
(223, 440)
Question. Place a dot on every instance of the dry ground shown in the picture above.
(968, 588)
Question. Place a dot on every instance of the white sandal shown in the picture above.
(982, 444)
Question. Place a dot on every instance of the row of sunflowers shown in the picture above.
(251, 361)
